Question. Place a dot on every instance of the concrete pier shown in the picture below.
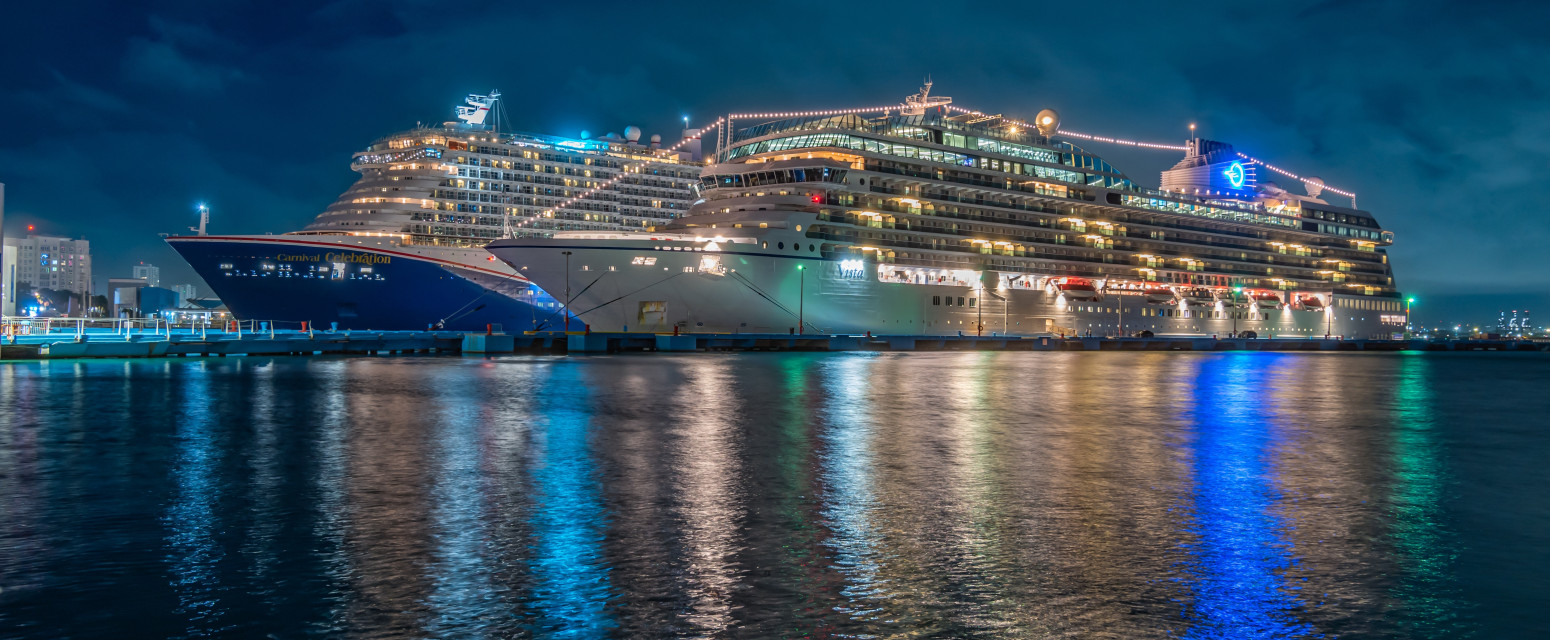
(184, 343)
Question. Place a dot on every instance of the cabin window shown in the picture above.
(960, 301)
(971, 302)
(936, 301)
(780, 245)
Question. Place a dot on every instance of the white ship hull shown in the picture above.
(659, 285)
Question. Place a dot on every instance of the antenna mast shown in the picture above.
(204, 220)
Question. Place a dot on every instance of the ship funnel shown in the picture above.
(478, 109)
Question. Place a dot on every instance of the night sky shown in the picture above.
(120, 116)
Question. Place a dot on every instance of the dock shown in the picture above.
(165, 342)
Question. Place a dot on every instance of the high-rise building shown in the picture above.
(185, 291)
(7, 266)
(150, 273)
(48, 262)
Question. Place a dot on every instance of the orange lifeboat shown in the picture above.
(1159, 295)
(1073, 288)
(1266, 300)
(1310, 302)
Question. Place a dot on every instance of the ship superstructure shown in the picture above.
(402, 248)
(928, 219)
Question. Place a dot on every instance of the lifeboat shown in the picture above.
(1074, 288)
(1310, 302)
(1199, 297)
(1266, 300)
(1226, 297)
(1159, 295)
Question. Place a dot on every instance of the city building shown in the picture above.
(150, 273)
(7, 266)
(185, 292)
(155, 300)
(124, 296)
(8, 283)
(49, 262)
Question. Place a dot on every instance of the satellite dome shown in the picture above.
(1047, 121)
(585, 134)
(632, 133)
(1314, 185)
(656, 138)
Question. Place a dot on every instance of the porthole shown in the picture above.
(780, 245)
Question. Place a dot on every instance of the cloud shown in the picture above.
(160, 64)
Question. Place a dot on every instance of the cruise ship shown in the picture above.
(924, 218)
(403, 247)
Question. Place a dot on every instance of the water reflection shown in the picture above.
(191, 520)
(1239, 552)
(1133, 495)
(463, 593)
(704, 459)
(571, 585)
(850, 501)
(1422, 537)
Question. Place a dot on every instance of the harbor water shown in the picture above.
(765, 495)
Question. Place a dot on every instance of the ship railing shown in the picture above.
(199, 324)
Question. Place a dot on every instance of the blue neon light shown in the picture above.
(1235, 175)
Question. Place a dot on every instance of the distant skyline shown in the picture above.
(123, 121)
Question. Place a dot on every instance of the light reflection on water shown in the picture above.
(759, 495)
(1238, 552)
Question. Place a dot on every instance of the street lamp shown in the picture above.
(1408, 301)
(979, 310)
(1235, 292)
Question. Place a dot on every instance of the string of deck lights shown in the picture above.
(1121, 141)
(718, 122)
(1294, 176)
(1155, 145)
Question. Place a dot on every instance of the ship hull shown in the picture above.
(748, 290)
(353, 283)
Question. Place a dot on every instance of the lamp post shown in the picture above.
(1408, 301)
(567, 290)
(1235, 292)
(801, 298)
(979, 312)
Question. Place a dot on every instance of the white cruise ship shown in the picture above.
(403, 247)
(925, 218)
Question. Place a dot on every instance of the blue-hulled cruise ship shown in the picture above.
(403, 247)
